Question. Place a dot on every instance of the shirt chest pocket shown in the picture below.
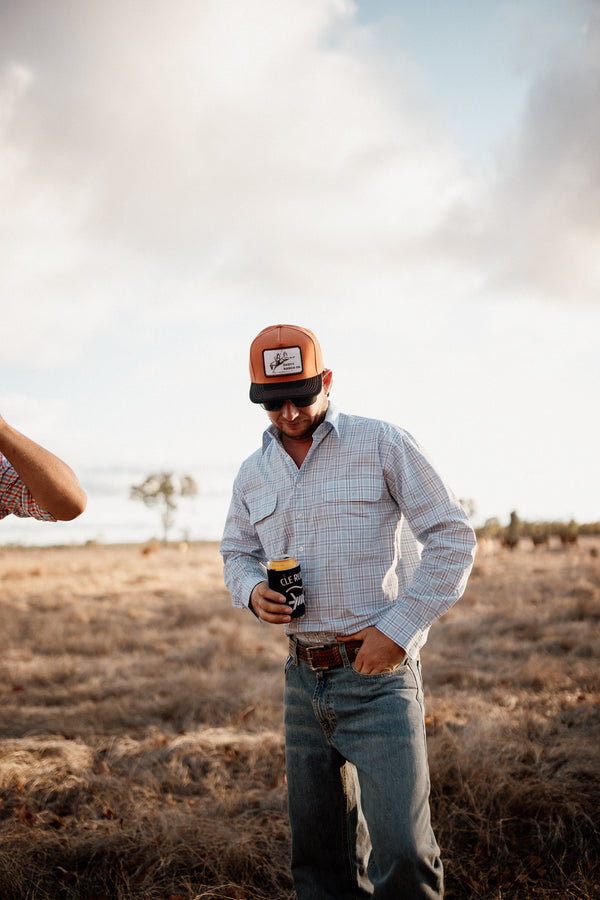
(261, 508)
(357, 507)
(354, 490)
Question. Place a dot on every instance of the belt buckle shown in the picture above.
(309, 650)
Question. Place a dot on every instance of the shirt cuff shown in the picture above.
(395, 626)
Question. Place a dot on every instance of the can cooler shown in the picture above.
(284, 576)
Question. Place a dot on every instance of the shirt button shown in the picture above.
(300, 549)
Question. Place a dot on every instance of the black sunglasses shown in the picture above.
(300, 402)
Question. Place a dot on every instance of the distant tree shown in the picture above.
(160, 490)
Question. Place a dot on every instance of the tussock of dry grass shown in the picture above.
(141, 745)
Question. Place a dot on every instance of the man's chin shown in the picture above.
(300, 431)
(296, 434)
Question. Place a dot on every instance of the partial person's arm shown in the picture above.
(50, 481)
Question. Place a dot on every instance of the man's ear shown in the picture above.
(327, 380)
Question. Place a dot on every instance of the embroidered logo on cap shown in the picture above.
(283, 361)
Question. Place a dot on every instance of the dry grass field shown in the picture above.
(141, 747)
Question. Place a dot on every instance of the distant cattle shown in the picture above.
(510, 541)
(150, 548)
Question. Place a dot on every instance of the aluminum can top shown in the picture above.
(280, 565)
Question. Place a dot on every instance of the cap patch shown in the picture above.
(282, 361)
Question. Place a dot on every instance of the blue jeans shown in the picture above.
(358, 785)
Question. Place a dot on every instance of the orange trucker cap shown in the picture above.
(285, 362)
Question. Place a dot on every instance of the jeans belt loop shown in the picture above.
(344, 654)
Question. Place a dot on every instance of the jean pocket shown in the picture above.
(387, 673)
(290, 661)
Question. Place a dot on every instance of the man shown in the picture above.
(35, 482)
(384, 548)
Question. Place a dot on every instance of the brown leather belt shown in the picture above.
(324, 656)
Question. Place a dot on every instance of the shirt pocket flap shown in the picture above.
(357, 490)
(260, 505)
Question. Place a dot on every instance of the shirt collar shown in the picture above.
(329, 423)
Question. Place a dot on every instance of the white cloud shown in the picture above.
(535, 226)
(175, 176)
(214, 153)
(212, 156)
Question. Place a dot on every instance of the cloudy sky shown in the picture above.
(417, 183)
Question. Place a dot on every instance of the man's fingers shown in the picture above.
(276, 608)
(271, 606)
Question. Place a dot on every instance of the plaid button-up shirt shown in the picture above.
(16, 498)
(380, 538)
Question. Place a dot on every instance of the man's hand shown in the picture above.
(378, 653)
(269, 605)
